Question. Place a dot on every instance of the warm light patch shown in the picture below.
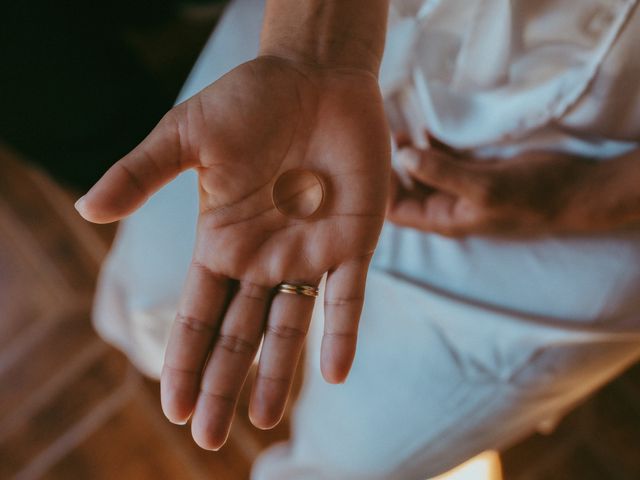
(483, 467)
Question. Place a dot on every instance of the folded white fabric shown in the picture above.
(486, 72)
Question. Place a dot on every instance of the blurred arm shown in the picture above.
(334, 33)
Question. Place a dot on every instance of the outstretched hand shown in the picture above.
(241, 133)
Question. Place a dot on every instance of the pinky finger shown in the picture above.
(344, 298)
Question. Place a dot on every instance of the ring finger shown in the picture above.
(285, 333)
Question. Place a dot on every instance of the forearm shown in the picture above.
(333, 33)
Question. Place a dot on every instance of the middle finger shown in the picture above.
(233, 352)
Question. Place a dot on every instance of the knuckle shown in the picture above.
(133, 178)
(236, 345)
(172, 370)
(219, 397)
(193, 324)
(206, 269)
(344, 301)
(253, 291)
(285, 332)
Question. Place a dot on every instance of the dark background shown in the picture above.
(83, 82)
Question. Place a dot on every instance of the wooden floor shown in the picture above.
(71, 407)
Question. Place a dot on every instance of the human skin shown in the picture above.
(535, 193)
(310, 100)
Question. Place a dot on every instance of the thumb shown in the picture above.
(133, 179)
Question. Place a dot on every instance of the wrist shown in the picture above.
(328, 33)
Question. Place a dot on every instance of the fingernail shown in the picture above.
(178, 422)
(79, 204)
(409, 158)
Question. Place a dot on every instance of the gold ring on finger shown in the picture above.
(298, 289)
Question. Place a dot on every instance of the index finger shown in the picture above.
(439, 170)
(204, 301)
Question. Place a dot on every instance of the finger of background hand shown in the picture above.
(234, 350)
(202, 306)
(343, 301)
(436, 212)
(403, 140)
(440, 170)
(438, 144)
(285, 333)
(130, 181)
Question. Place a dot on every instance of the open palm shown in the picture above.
(242, 133)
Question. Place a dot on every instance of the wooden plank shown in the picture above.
(66, 340)
(60, 412)
(24, 296)
(36, 220)
(129, 446)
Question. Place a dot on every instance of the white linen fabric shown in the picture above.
(465, 345)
